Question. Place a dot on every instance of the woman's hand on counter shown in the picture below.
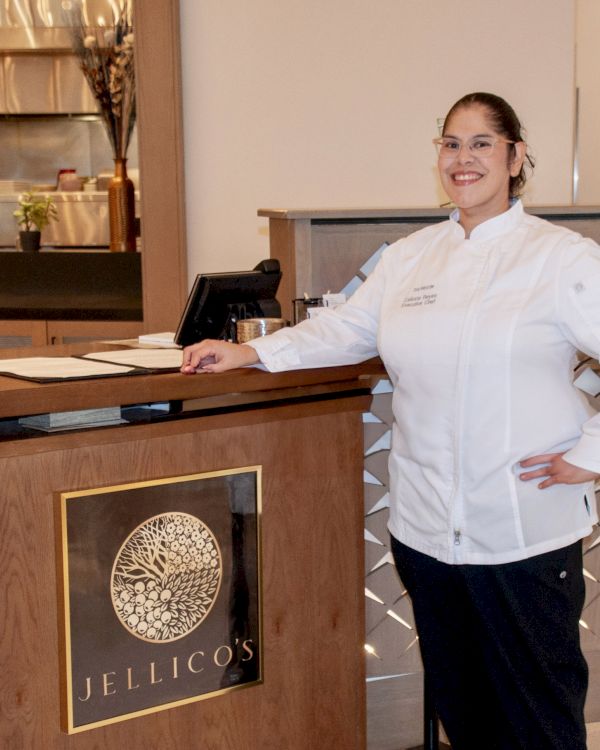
(556, 470)
(217, 356)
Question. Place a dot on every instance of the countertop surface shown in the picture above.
(18, 396)
(205, 394)
(66, 196)
(407, 213)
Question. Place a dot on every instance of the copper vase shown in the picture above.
(121, 210)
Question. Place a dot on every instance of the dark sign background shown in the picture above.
(97, 525)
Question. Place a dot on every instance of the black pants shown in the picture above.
(500, 646)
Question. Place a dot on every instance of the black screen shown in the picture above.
(218, 300)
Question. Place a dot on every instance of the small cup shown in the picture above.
(252, 328)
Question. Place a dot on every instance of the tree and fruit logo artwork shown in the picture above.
(166, 577)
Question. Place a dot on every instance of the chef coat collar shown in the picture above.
(498, 225)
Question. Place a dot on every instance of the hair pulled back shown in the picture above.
(505, 122)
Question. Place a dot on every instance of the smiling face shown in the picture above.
(478, 185)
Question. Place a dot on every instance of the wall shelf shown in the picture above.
(40, 117)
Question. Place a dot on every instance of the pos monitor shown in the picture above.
(218, 300)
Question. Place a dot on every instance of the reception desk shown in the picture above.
(300, 433)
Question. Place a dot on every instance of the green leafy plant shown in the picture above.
(35, 211)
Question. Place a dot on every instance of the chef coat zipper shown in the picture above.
(460, 368)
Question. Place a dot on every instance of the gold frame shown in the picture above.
(64, 590)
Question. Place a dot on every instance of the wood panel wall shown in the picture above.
(159, 114)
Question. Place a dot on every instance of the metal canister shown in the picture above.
(252, 328)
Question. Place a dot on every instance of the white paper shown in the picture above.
(59, 367)
(152, 359)
(334, 300)
(166, 339)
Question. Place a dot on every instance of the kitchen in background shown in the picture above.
(49, 122)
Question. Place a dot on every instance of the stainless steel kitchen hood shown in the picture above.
(28, 39)
(39, 74)
(29, 25)
(43, 84)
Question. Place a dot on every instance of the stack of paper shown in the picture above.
(166, 339)
(73, 419)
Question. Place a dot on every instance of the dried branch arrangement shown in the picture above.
(106, 59)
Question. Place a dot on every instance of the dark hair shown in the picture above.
(505, 122)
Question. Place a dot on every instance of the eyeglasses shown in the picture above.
(480, 145)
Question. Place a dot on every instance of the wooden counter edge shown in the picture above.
(406, 213)
(21, 397)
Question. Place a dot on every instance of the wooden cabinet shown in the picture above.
(72, 331)
(15, 333)
(22, 333)
(64, 296)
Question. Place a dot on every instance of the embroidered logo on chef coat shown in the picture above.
(420, 296)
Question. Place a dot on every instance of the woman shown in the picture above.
(494, 452)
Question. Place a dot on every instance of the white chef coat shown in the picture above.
(479, 338)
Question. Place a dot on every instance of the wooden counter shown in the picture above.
(304, 429)
(235, 388)
(321, 249)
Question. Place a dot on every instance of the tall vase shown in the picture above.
(121, 210)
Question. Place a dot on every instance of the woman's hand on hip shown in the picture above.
(556, 470)
(217, 356)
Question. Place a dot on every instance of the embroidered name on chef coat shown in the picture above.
(420, 296)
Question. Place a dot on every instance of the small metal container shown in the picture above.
(302, 306)
(252, 328)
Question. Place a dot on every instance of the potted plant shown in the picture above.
(34, 213)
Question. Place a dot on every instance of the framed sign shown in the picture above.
(161, 595)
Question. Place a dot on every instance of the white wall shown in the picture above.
(333, 103)
(588, 82)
